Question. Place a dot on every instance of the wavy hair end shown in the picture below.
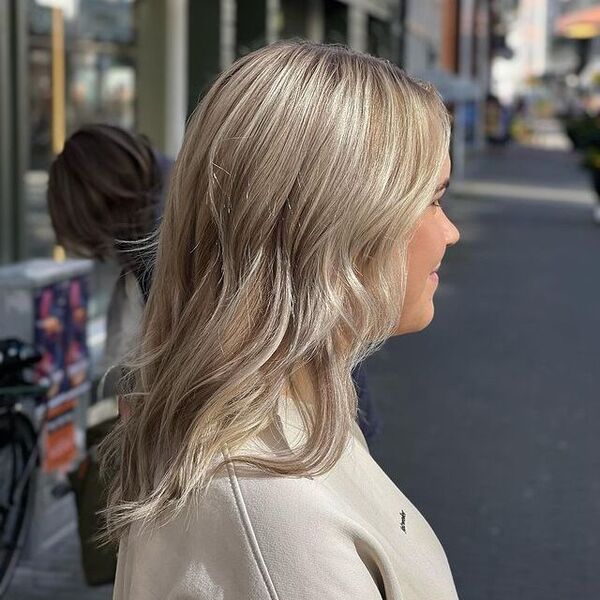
(281, 264)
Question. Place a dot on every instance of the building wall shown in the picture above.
(12, 113)
(162, 71)
(532, 37)
(151, 70)
(180, 47)
(567, 6)
(257, 23)
(449, 39)
(204, 59)
(423, 41)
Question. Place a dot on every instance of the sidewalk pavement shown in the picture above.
(56, 572)
(526, 173)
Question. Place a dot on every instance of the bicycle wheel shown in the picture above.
(17, 443)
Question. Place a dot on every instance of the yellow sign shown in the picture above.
(582, 31)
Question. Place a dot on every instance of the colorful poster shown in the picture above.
(49, 319)
(60, 334)
(76, 357)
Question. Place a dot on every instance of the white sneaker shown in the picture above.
(596, 214)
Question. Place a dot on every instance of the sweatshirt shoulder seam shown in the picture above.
(249, 531)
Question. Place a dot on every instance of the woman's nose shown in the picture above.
(452, 232)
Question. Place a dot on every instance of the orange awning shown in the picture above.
(579, 24)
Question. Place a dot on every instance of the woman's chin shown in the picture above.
(417, 322)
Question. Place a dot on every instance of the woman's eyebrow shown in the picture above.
(443, 186)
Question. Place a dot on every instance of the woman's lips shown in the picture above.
(434, 274)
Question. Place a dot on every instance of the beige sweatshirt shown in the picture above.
(347, 535)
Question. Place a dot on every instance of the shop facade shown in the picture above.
(139, 64)
(143, 65)
(65, 63)
(87, 48)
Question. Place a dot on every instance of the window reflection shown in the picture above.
(380, 38)
(100, 38)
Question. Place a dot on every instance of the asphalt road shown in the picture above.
(492, 415)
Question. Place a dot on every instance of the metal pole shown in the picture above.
(20, 125)
(6, 195)
(58, 81)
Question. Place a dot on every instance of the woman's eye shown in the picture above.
(437, 202)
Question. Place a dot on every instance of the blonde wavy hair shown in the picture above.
(281, 264)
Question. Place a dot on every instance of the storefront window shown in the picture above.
(251, 31)
(380, 38)
(336, 22)
(295, 17)
(100, 86)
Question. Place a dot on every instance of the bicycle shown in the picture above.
(19, 452)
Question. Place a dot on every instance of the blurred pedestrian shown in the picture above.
(303, 228)
(583, 130)
(591, 151)
(497, 130)
(105, 195)
(595, 176)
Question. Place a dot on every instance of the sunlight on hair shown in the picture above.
(281, 264)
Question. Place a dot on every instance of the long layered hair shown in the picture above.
(281, 263)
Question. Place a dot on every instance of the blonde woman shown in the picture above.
(303, 228)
